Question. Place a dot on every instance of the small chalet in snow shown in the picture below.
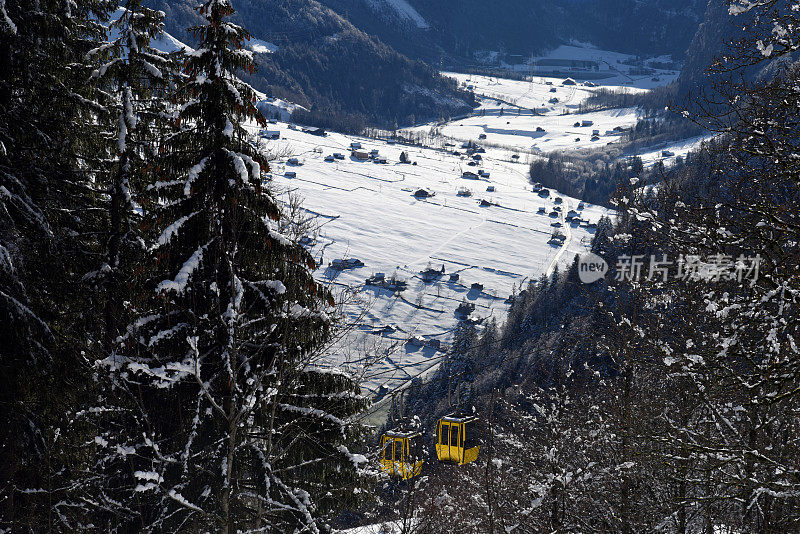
(423, 193)
(270, 134)
(390, 284)
(346, 263)
(569, 81)
(360, 155)
(431, 275)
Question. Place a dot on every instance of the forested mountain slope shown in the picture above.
(458, 28)
(722, 25)
(373, 62)
(322, 62)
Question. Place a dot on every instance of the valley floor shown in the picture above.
(484, 243)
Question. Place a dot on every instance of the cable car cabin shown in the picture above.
(458, 439)
(401, 453)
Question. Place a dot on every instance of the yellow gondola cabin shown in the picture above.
(458, 439)
(401, 453)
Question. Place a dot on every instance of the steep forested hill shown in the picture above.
(458, 28)
(325, 64)
(372, 62)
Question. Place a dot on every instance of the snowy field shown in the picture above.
(484, 237)
(368, 211)
(611, 69)
(520, 115)
(673, 150)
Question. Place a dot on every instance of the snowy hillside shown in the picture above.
(368, 211)
(543, 115)
(520, 114)
(398, 9)
(489, 235)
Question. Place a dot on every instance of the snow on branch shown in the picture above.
(189, 267)
(171, 230)
(194, 172)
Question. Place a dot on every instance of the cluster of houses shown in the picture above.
(393, 284)
(362, 155)
(276, 134)
(573, 217)
(469, 175)
(333, 157)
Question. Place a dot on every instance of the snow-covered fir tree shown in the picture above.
(134, 77)
(236, 426)
(46, 245)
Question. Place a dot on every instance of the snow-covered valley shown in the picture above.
(472, 221)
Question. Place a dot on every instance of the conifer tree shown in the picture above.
(45, 244)
(134, 77)
(235, 426)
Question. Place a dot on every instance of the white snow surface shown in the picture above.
(612, 69)
(518, 114)
(260, 46)
(400, 8)
(679, 149)
(368, 211)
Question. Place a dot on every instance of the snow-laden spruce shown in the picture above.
(232, 424)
